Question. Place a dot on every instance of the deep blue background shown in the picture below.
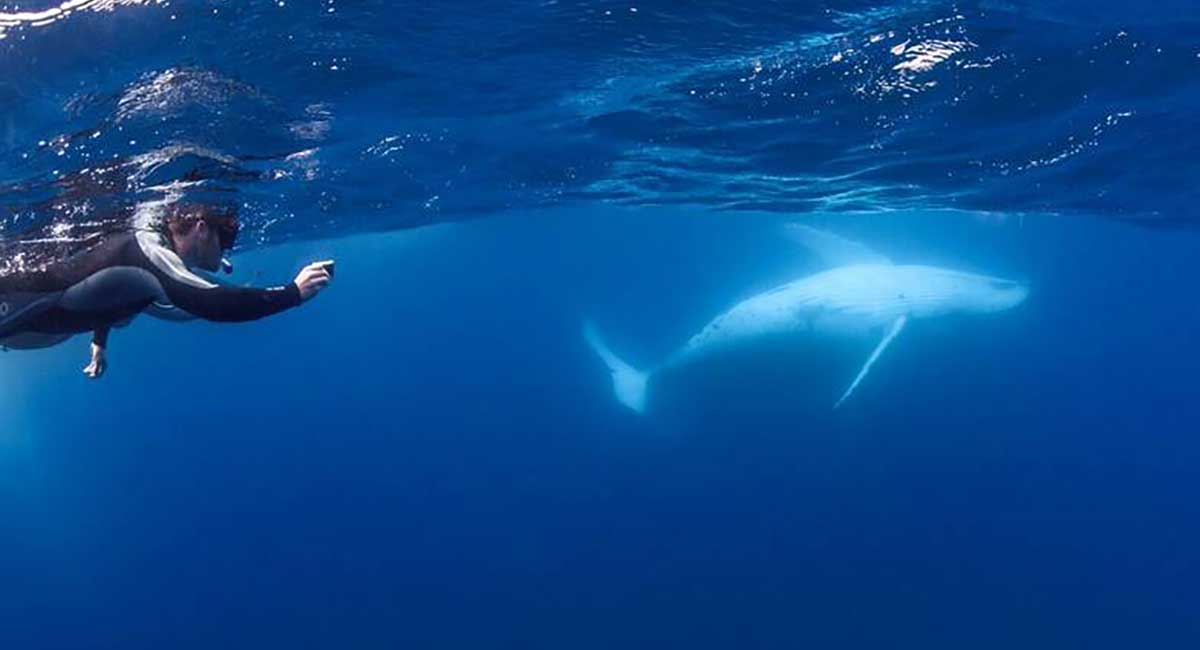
(429, 456)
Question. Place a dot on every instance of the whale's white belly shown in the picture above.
(866, 296)
(850, 301)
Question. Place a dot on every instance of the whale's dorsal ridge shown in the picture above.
(834, 250)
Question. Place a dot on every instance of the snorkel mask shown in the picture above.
(227, 226)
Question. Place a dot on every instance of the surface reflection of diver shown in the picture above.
(137, 271)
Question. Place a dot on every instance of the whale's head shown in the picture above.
(932, 291)
(980, 294)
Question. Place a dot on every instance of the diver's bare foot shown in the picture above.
(98, 365)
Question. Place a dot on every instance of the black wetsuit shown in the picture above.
(110, 283)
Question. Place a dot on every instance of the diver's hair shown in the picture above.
(178, 218)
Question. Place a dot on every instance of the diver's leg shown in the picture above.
(18, 309)
(112, 288)
(32, 340)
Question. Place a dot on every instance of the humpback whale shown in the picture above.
(862, 294)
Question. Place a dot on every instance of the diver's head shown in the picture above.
(201, 234)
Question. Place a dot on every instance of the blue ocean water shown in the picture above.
(428, 455)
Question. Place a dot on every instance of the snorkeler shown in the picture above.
(132, 272)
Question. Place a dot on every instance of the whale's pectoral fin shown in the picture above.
(887, 338)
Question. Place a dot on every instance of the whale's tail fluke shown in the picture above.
(629, 383)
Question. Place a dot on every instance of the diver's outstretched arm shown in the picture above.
(238, 304)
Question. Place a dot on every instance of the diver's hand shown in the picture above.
(313, 278)
(98, 365)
